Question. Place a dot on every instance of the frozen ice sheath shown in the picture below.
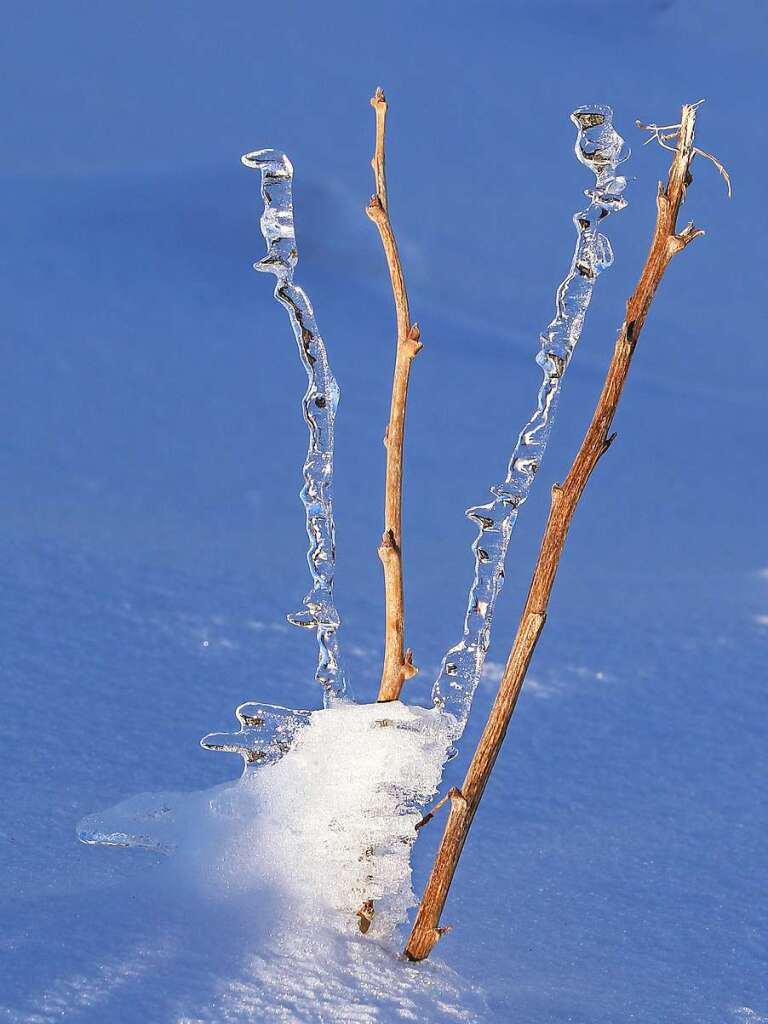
(319, 406)
(599, 147)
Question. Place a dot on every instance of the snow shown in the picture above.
(319, 831)
(151, 442)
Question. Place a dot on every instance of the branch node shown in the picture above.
(388, 545)
(608, 442)
(374, 209)
(365, 915)
(454, 794)
(412, 343)
(689, 232)
(409, 669)
(457, 797)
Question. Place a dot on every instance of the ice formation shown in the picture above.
(598, 147)
(325, 813)
(319, 405)
(325, 828)
(266, 733)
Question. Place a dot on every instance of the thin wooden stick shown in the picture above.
(666, 243)
(398, 662)
(452, 794)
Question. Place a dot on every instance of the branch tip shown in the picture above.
(665, 134)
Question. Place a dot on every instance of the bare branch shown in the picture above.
(665, 244)
(719, 166)
(398, 663)
(452, 794)
(663, 134)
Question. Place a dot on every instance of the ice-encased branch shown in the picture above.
(319, 406)
(599, 147)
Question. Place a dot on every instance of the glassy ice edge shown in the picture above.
(600, 148)
(319, 406)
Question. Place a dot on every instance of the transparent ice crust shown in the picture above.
(600, 148)
(266, 732)
(319, 406)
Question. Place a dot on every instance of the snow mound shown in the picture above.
(323, 833)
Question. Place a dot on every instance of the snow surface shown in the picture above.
(152, 538)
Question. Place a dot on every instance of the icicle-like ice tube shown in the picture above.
(266, 733)
(319, 406)
(599, 147)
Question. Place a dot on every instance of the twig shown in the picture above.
(666, 132)
(665, 244)
(398, 663)
(453, 794)
(365, 915)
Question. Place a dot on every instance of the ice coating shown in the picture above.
(599, 147)
(266, 733)
(319, 407)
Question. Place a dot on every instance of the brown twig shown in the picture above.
(365, 915)
(398, 662)
(453, 794)
(665, 244)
